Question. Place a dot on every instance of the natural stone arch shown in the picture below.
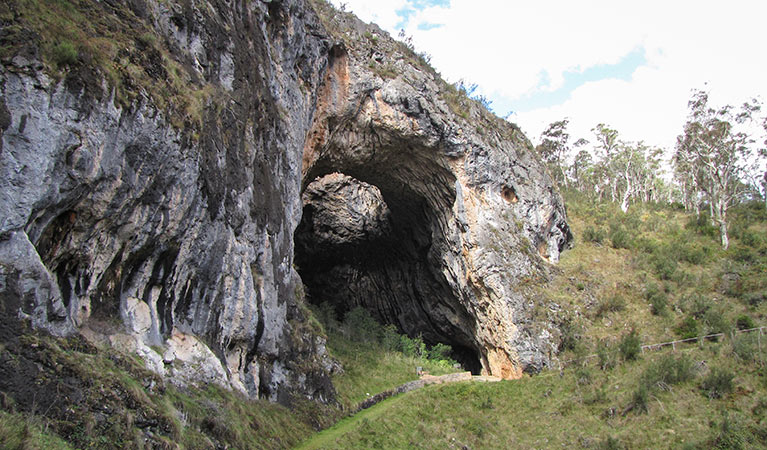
(380, 246)
(471, 211)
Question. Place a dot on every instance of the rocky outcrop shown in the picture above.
(175, 243)
(465, 218)
(171, 233)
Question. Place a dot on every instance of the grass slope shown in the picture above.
(370, 369)
(657, 271)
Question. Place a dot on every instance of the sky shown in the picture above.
(629, 64)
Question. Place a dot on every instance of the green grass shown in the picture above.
(95, 41)
(121, 402)
(20, 432)
(370, 369)
(665, 274)
(549, 411)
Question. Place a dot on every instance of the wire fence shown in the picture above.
(681, 342)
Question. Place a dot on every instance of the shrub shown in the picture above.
(691, 252)
(610, 304)
(756, 298)
(583, 376)
(688, 329)
(359, 325)
(611, 443)
(64, 54)
(571, 336)
(630, 346)
(717, 383)
(640, 399)
(744, 322)
(647, 245)
(744, 346)
(607, 355)
(752, 239)
(715, 321)
(620, 238)
(668, 371)
(390, 338)
(657, 299)
(407, 346)
(664, 265)
(414, 347)
(326, 314)
(730, 434)
(440, 352)
(593, 234)
(697, 305)
(702, 225)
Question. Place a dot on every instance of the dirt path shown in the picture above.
(373, 407)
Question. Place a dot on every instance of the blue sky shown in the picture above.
(544, 97)
(631, 65)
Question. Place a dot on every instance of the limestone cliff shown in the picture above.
(470, 214)
(149, 192)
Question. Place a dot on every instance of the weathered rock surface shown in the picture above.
(179, 243)
(111, 214)
(471, 217)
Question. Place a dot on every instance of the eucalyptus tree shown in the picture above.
(554, 148)
(606, 148)
(717, 154)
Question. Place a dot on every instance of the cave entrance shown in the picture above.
(377, 246)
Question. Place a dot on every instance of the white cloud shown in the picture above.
(507, 47)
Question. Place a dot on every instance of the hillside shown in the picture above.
(659, 272)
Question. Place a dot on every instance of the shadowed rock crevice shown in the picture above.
(361, 246)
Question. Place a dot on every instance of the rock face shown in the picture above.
(469, 213)
(178, 242)
(118, 224)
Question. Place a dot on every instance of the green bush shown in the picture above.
(668, 371)
(571, 336)
(390, 338)
(745, 346)
(414, 347)
(629, 346)
(64, 54)
(593, 234)
(688, 328)
(756, 298)
(620, 238)
(359, 325)
(326, 314)
(702, 225)
(583, 376)
(697, 305)
(657, 298)
(691, 252)
(607, 355)
(640, 399)
(729, 434)
(647, 245)
(440, 352)
(614, 303)
(664, 264)
(744, 322)
(715, 321)
(611, 443)
(717, 383)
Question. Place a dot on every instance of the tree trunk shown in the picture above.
(625, 203)
(723, 234)
(721, 220)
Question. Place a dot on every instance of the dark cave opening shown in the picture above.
(358, 245)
